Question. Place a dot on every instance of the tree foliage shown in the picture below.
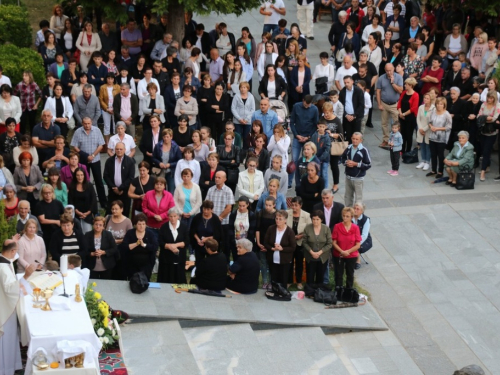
(15, 27)
(489, 7)
(16, 60)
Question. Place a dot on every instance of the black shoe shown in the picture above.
(311, 38)
(449, 182)
(439, 175)
(369, 126)
(497, 178)
(357, 266)
(430, 174)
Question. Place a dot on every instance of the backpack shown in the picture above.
(139, 283)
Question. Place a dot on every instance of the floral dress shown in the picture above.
(415, 66)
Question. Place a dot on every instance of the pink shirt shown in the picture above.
(151, 208)
(29, 251)
(125, 109)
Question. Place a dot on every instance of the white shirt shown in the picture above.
(271, 89)
(368, 103)
(279, 236)
(455, 46)
(274, 18)
(4, 80)
(142, 91)
(342, 72)
(118, 171)
(128, 141)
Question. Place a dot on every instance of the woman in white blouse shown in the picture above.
(57, 21)
(251, 181)
(279, 143)
(88, 42)
(324, 70)
(10, 106)
(31, 247)
(374, 26)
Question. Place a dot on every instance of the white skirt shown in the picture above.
(10, 351)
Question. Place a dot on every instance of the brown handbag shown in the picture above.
(338, 147)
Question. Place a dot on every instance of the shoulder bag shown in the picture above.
(465, 180)
(338, 147)
(327, 297)
(349, 295)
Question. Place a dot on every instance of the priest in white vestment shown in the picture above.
(10, 292)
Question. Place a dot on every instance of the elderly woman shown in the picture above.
(48, 212)
(346, 242)
(5, 177)
(88, 42)
(251, 181)
(174, 241)
(317, 245)
(297, 219)
(242, 108)
(166, 154)
(229, 158)
(25, 145)
(28, 179)
(11, 201)
(490, 109)
(156, 204)
(187, 105)
(140, 186)
(272, 191)
(31, 248)
(423, 132)
(244, 272)
(241, 224)
(408, 110)
(461, 157)
(414, 66)
(142, 243)
(67, 240)
(440, 126)
(363, 222)
(67, 172)
(83, 197)
(280, 244)
(102, 250)
(122, 137)
(311, 186)
(187, 162)
(151, 104)
(432, 76)
(10, 107)
(205, 226)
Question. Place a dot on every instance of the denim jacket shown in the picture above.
(397, 139)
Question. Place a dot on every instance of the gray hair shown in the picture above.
(358, 133)
(455, 88)
(11, 187)
(245, 243)
(87, 86)
(86, 118)
(326, 192)
(24, 201)
(476, 94)
(125, 84)
(47, 111)
(414, 18)
(464, 133)
(360, 204)
(121, 123)
(174, 211)
(342, 13)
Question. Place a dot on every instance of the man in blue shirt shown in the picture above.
(303, 122)
(268, 117)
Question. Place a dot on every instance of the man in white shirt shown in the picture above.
(142, 91)
(305, 10)
(345, 70)
(4, 80)
(272, 11)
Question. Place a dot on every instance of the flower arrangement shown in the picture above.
(100, 316)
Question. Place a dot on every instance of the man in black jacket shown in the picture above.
(118, 184)
(353, 100)
(126, 112)
(452, 78)
(211, 271)
(201, 39)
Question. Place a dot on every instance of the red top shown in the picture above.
(346, 239)
(11, 211)
(151, 208)
(435, 74)
(413, 102)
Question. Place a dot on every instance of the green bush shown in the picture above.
(13, 2)
(15, 27)
(16, 60)
(7, 227)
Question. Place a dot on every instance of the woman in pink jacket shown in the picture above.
(156, 204)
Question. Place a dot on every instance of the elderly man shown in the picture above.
(88, 142)
(389, 87)
(142, 90)
(119, 171)
(345, 70)
(357, 161)
(132, 37)
(216, 66)
(126, 108)
(409, 34)
(244, 272)
(267, 116)
(120, 136)
(353, 100)
(43, 136)
(87, 105)
(24, 215)
(452, 78)
(125, 58)
(77, 89)
(10, 294)
(465, 84)
(339, 25)
(108, 39)
(223, 198)
(161, 46)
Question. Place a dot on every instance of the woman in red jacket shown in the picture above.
(408, 110)
(156, 204)
(346, 242)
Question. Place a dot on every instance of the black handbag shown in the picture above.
(321, 85)
(465, 180)
(411, 157)
(139, 283)
(327, 297)
(280, 289)
(232, 176)
(349, 295)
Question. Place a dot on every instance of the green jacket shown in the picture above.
(466, 157)
(237, 140)
(322, 242)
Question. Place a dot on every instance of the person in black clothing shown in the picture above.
(311, 187)
(465, 85)
(455, 107)
(217, 107)
(204, 38)
(208, 171)
(183, 133)
(337, 29)
(170, 63)
(67, 240)
(102, 250)
(211, 272)
(204, 226)
(452, 78)
(352, 121)
(161, 76)
(48, 212)
(244, 272)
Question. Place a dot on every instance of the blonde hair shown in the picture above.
(167, 131)
(411, 81)
(313, 146)
(441, 100)
(327, 106)
(274, 180)
(297, 49)
(348, 209)
(279, 128)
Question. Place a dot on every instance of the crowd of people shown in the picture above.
(208, 143)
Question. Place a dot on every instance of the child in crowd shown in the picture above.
(444, 60)
(205, 138)
(368, 104)
(322, 141)
(462, 57)
(396, 144)
(75, 264)
(277, 173)
(338, 107)
(97, 72)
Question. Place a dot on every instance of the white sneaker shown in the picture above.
(192, 258)
(426, 167)
(421, 165)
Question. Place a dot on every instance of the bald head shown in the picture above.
(220, 179)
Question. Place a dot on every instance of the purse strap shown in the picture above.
(341, 138)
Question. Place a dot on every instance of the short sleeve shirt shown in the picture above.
(88, 142)
(274, 18)
(221, 198)
(133, 36)
(44, 134)
(388, 94)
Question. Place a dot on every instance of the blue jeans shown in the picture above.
(324, 172)
(296, 152)
(264, 268)
(270, 28)
(425, 152)
(243, 130)
(170, 182)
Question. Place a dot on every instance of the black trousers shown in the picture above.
(437, 155)
(351, 127)
(279, 273)
(334, 166)
(315, 272)
(408, 126)
(95, 168)
(28, 121)
(341, 266)
(298, 261)
(105, 275)
(395, 160)
(226, 249)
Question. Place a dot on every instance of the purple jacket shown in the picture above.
(67, 176)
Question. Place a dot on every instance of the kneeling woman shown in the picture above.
(174, 240)
(460, 157)
(244, 272)
(346, 243)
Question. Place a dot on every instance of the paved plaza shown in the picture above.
(433, 275)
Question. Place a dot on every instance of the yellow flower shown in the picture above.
(97, 295)
(105, 322)
(94, 284)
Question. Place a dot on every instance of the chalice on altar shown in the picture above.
(79, 359)
(47, 293)
(37, 292)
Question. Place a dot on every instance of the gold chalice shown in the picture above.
(47, 293)
(79, 360)
(37, 292)
(67, 363)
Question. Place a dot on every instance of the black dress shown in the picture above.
(84, 201)
(247, 270)
(308, 191)
(139, 190)
(183, 139)
(171, 267)
(204, 228)
(217, 121)
(140, 259)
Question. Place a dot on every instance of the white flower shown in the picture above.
(114, 333)
(101, 340)
(94, 321)
(100, 331)
(106, 340)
